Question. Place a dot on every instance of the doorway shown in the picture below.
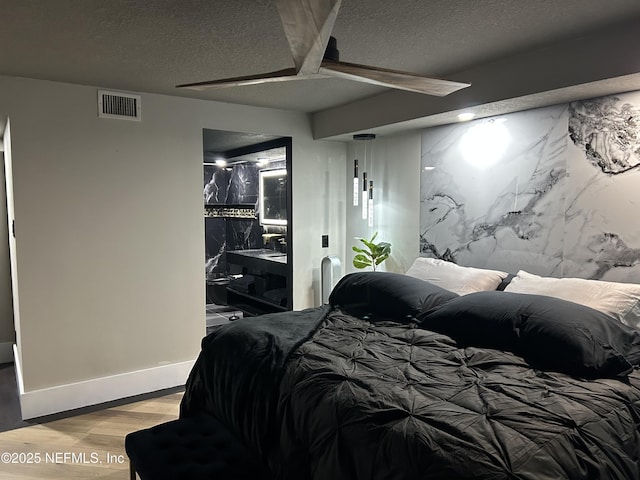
(9, 392)
(247, 214)
(7, 338)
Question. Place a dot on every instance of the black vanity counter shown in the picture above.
(270, 261)
(264, 282)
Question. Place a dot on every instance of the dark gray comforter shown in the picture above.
(324, 395)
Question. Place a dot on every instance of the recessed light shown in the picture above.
(466, 116)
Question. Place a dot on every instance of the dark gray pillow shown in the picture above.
(483, 319)
(385, 295)
(550, 333)
(578, 340)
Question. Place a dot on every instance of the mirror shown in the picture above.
(273, 197)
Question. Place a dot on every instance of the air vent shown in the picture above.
(119, 105)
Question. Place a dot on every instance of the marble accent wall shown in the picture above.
(553, 191)
(229, 186)
(215, 246)
(216, 185)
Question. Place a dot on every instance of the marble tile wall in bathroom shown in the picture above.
(237, 185)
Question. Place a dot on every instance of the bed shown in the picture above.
(400, 378)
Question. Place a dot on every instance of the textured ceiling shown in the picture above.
(153, 45)
(222, 141)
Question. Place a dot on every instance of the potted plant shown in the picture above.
(372, 255)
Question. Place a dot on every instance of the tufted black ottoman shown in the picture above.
(191, 448)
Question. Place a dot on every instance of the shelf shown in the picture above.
(252, 304)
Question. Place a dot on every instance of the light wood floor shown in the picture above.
(89, 446)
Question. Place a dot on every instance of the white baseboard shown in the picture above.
(6, 352)
(47, 401)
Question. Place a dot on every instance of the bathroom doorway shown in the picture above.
(247, 214)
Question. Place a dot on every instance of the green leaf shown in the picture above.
(360, 261)
(363, 258)
(381, 259)
(370, 246)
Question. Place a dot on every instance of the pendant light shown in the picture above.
(365, 196)
(367, 188)
(370, 203)
(356, 189)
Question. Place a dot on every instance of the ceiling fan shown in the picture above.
(307, 26)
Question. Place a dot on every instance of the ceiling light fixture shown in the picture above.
(466, 116)
(367, 191)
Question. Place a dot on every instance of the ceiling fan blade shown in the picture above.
(307, 26)
(391, 78)
(277, 76)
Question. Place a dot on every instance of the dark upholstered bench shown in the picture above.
(191, 448)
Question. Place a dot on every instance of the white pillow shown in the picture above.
(448, 275)
(619, 300)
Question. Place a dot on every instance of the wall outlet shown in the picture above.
(325, 241)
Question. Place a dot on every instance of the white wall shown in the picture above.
(110, 233)
(396, 177)
(318, 209)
